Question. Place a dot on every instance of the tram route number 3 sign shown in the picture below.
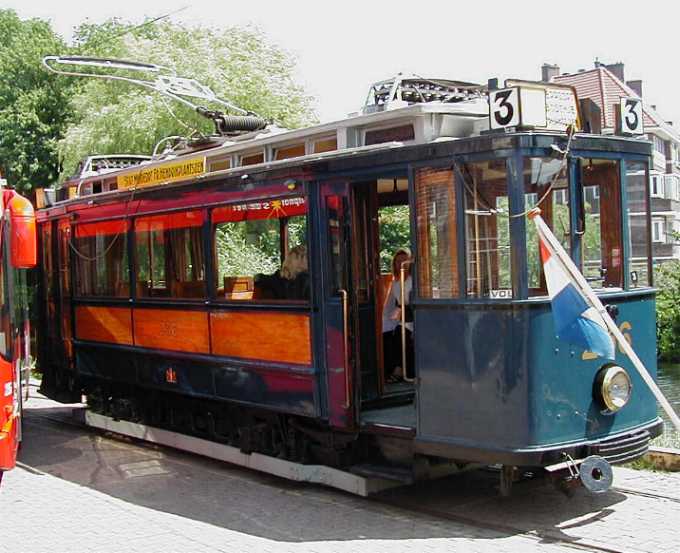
(630, 116)
(504, 110)
(518, 107)
(529, 105)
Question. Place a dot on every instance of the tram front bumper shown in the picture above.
(622, 447)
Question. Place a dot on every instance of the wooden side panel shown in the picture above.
(104, 324)
(278, 337)
(172, 329)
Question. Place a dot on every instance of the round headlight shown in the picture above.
(615, 387)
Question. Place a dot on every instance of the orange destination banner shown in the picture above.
(163, 173)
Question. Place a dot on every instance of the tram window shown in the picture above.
(335, 208)
(260, 250)
(101, 259)
(436, 234)
(601, 243)
(639, 259)
(540, 175)
(487, 229)
(169, 255)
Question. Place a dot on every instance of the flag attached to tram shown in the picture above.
(577, 321)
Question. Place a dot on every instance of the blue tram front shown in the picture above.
(185, 308)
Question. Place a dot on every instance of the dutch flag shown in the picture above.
(577, 321)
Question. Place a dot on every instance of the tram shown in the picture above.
(17, 253)
(237, 289)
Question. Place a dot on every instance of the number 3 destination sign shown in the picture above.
(504, 108)
(630, 115)
(530, 105)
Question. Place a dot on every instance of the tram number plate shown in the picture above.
(630, 111)
(504, 108)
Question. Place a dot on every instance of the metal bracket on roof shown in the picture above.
(164, 81)
(403, 90)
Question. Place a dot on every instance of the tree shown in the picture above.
(34, 108)
(667, 281)
(238, 64)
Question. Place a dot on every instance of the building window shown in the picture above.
(658, 230)
(656, 187)
(261, 250)
(659, 145)
(101, 259)
(169, 255)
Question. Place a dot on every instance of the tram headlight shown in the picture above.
(614, 387)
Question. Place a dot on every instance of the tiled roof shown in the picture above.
(605, 89)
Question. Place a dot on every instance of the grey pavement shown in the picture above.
(95, 493)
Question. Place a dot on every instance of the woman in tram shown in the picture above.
(391, 320)
(295, 274)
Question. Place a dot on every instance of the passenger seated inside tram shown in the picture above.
(289, 283)
(391, 320)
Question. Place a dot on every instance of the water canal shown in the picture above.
(669, 382)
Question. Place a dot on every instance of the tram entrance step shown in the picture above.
(397, 474)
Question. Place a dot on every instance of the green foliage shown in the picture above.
(244, 250)
(667, 280)
(34, 108)
(394, 233)
(248, 248)
(238, 64)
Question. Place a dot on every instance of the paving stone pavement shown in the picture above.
(92, 493)
(40, 513)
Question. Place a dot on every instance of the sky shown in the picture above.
(342, 47)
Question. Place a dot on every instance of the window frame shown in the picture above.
(134, 272)
(74, 264)
(212, 254)
(660, 224)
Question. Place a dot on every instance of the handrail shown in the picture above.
(402, 306)
(345, 345)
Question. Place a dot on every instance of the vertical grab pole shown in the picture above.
(345, 344)
(402, 279)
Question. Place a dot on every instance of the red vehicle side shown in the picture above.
(17, 253)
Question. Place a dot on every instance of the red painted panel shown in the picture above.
(168, 221)
(105, 227)
(266, 209)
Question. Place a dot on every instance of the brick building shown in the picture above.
(605, 85)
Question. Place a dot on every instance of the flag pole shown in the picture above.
(583, 285)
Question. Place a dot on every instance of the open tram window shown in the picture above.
(601, 244)
(546, 186)
(637, 208)
(487, 229)
(261, 250)
(101, 259)
(169, 255)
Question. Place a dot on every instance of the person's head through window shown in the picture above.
(295, 263)
(401, 257)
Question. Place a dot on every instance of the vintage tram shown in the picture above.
(169, 298)
(17, 253)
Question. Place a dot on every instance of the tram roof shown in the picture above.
(433, 124)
